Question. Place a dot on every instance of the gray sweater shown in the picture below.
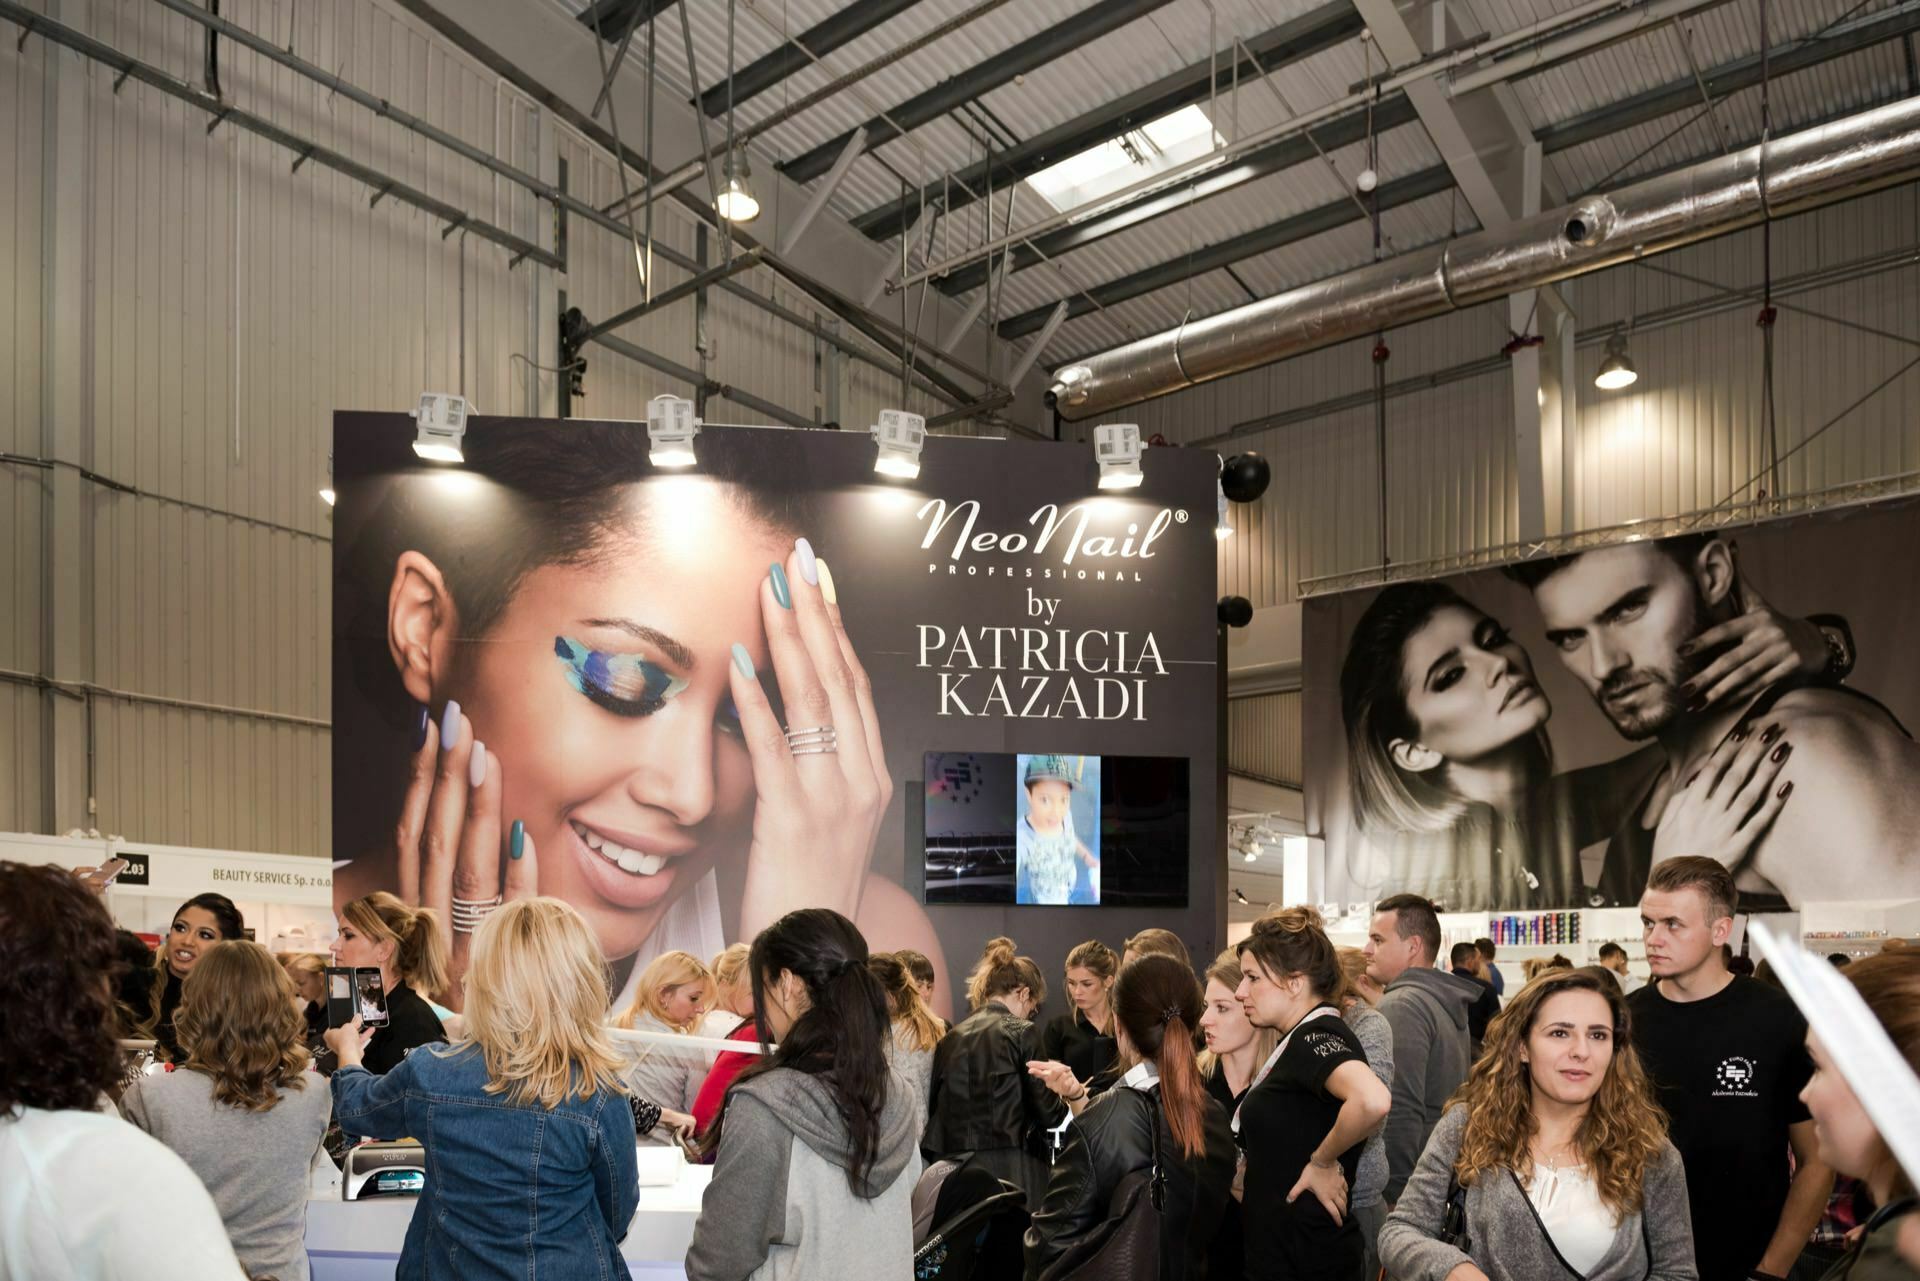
(1504, 1233)
(780, 1207)
(1427, 1010)
(1375, 1035)
(257, 1165)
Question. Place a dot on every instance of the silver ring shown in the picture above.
(817, 741)
(469, 914)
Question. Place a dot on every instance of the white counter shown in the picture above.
(361, 1240)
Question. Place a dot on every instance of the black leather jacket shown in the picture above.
(982, 1096)
(1111, 1140)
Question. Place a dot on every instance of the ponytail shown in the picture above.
(419, 944)
(1157, 1000)
(909, 1011)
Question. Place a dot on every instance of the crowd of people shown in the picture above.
(1290, 1112)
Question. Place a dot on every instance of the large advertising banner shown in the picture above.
(1539, 735)
(709, 696)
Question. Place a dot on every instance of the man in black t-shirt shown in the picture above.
(1728, 1056)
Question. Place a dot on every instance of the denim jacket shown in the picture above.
(512, 1191)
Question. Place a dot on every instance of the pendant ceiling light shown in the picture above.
(736, 201)
(1616, 370)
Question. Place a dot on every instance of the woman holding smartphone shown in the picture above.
(380, 932)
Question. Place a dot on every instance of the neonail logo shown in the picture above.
(1064, 531)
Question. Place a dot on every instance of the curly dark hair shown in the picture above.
(57, 1021)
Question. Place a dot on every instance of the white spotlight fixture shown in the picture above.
(900, 436)
(1222, 526)
(736, 201)
(327, 494)
(1252, 854)
(1117, 448)
(671, 428)
(442, 422)
(1616, 370)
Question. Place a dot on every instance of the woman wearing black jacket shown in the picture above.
(982, 1098)
(1160, 1116)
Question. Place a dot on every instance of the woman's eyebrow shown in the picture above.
(676, 652)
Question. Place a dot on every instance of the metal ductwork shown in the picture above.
(1802, 171)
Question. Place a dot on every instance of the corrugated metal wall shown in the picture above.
(1264, 738)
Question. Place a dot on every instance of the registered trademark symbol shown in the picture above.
(1180, 517)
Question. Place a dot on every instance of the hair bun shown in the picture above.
(1000, 951)
(1290, 920)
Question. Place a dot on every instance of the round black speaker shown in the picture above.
(1245, 477)
(1235, 611)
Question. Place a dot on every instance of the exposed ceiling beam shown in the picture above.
(616, 16)
(1289, 42)
(1029, 55)
(821, 39)
(1637, 109)
(1284, 154)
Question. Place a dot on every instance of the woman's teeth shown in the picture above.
(630, 861)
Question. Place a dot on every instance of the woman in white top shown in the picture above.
(243, 1109)
(671, 997)
(83, 1195)
(1556, 1151)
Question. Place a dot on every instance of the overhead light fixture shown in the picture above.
(1222, 526)
(1252, 853)
(900, 436)
(671, 428)
(442, 422)
(1117, 448)
(736, 201)
(1616, 369)
(1239, 897)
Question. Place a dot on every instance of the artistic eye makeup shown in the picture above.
(624, 684)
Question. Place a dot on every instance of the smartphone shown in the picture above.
(352, 991)
(103, 876)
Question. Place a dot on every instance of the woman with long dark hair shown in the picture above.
(1560, 1149)
(200, 923)
(989, 1096)
(1311, 1108)
(1159, 1118)
(1450, 772)
(816, 1159)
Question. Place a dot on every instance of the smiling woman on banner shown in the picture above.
(1450, 769)
(625, 689)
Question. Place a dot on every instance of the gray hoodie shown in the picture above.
(1427, 1009)
(780, 1205)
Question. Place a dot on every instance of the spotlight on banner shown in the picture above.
(442, 422)
(327, 494)
(1222, 525)
(1117, 448)
(671, 428)
(900, 436)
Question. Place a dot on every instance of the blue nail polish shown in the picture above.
(743, 660)
(421, 719)
(450, 727)
(781, 592)
(517, 842)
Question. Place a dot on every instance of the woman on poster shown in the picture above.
(624, 695)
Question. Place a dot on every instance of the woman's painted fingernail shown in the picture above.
(1696, 774)
(1781, 752)
(1686, 647)
(477, 767)
(1740, 735)
(781, 592)
(809, 563)
(1697, 704)
(743, 660)
(1773, 732)
(421, 719)
(450, 727)
(1786, 789)
(517, 841)
(826, 584)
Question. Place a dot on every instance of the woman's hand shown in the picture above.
(1328, 1185)
(680, 1123)
(348, 1042)
(1730, 802)
(449, 837)
(818, 811)
(1763, 647)
(1466, 1272)
(1057, 1077)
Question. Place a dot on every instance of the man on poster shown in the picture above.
(1636, 624)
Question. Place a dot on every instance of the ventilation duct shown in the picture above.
(1802, 171)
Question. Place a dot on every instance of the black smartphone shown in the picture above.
(353, 991)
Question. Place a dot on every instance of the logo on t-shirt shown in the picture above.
(1736, 1079)
(1324, 1043)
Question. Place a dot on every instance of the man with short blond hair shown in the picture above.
(1728, 1056)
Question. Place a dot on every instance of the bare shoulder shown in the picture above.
(890, 918)
(1830, 727)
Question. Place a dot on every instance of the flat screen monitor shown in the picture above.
(1056, 829)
